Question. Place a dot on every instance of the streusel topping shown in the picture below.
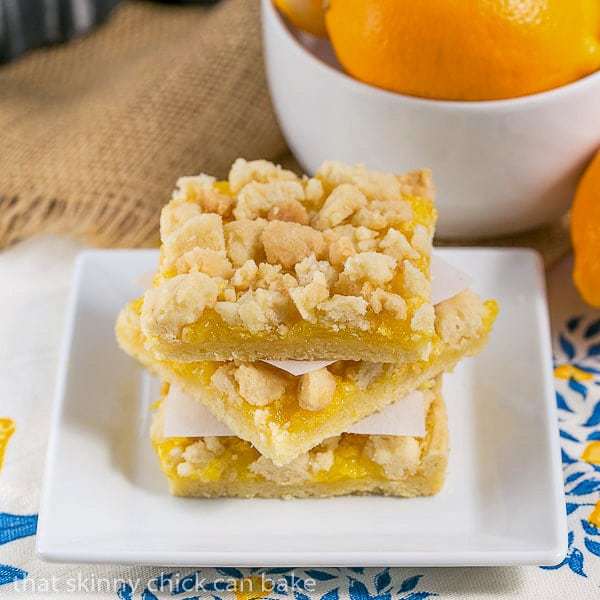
(268, 248)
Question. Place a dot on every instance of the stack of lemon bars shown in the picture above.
(297, 312)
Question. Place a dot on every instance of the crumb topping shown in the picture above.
(398, 455)
(177, 302)
(258, 385)
(342, 311)
(373, 267)
(308, 297)
(423, 319)
(316, 389)
(243, 240)
(341, 204)
(364, 373)
(268, 248)
(286, 244)
(296, 471)
(459, 318)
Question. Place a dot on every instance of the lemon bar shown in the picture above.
(346, 464)
(271, 265)
(284, 416)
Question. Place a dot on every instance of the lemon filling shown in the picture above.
(235, 456)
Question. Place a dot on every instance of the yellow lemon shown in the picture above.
(304, 14)
(475, 50)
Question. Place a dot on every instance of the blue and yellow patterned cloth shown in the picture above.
(31, 321)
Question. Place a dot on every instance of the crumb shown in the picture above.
(288, 243)
(259, 385)
(316, 389)
(177, 302)
(341, 204)
(398, 455)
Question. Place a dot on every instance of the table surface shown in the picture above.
(35, 279)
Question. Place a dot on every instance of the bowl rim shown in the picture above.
(530, 100)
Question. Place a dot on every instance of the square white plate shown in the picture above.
(105, 499)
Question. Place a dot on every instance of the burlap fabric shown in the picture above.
(95, 133)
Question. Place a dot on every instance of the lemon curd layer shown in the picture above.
(210, 338)
(382, 329)
(236, 455)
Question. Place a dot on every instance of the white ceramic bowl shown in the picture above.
(500, 166)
